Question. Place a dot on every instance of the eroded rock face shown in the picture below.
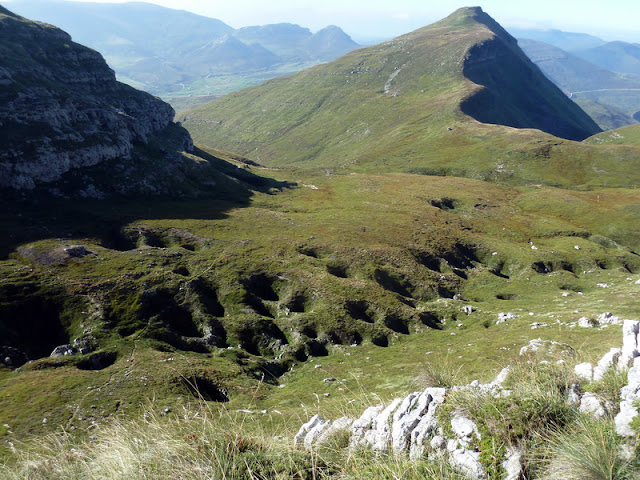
(61, 107)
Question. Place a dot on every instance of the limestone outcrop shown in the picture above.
(62, 109)
(412, 425)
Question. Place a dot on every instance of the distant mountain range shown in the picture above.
(602, 77)
(610, 98)
(168, 52)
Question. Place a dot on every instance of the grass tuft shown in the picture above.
(590, 450)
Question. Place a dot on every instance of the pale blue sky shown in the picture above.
(611, 19)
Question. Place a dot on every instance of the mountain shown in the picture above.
(583, 81)
(296, 44)
(124, 33)
(228, 54)
(173, 52)
(283, 39)
(567, 41)
(616, 56)
(329, 43)
(420, 103)
(69, 128)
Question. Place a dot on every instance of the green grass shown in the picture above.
(336, 260)
(622, 136)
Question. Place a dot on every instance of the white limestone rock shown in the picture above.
(468, 461)
(607, 361)
(629, 342)
(513, 463)
(584, 371)
(503, 317)
(573, 395)
(362, 425)
(623, 419)
(501, 377)
(315, 433)
(340, 425)
(608, 318)
(405, 422)
(465, 429)
(586, 322)
(379, 437)
(305, 428)
(438, 442)
(631, 391)
(538, 345)
(428, 424)
(591, 404)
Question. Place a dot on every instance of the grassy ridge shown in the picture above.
(395, 107)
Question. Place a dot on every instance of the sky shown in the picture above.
(610, 19)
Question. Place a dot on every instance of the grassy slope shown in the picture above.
(622, 136)
(607, 116)
(338, 117)
(347, 258)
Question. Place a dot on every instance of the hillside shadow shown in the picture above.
(42, 217)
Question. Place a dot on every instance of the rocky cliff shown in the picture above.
(62, 109)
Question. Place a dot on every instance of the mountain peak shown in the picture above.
(469, 16)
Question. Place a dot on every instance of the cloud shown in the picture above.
(401, 16)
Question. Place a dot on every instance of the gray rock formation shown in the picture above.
(61, 108)
(629, 394)
(513, 464)
(412, 425)
(630, 330)
(591, 404)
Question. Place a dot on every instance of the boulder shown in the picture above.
(464, 429)
(584, 371)
(362, 425)
(64, 351)
(623, 419)
(629, 342)
(468, 461)
(513, 463)
(591, 404)
(586, 322)
(405, 421)
(608, 360)
(342, 424)
(503, 317)
(379, 436)
(298, 439)
(608, 318)
(315, 433)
